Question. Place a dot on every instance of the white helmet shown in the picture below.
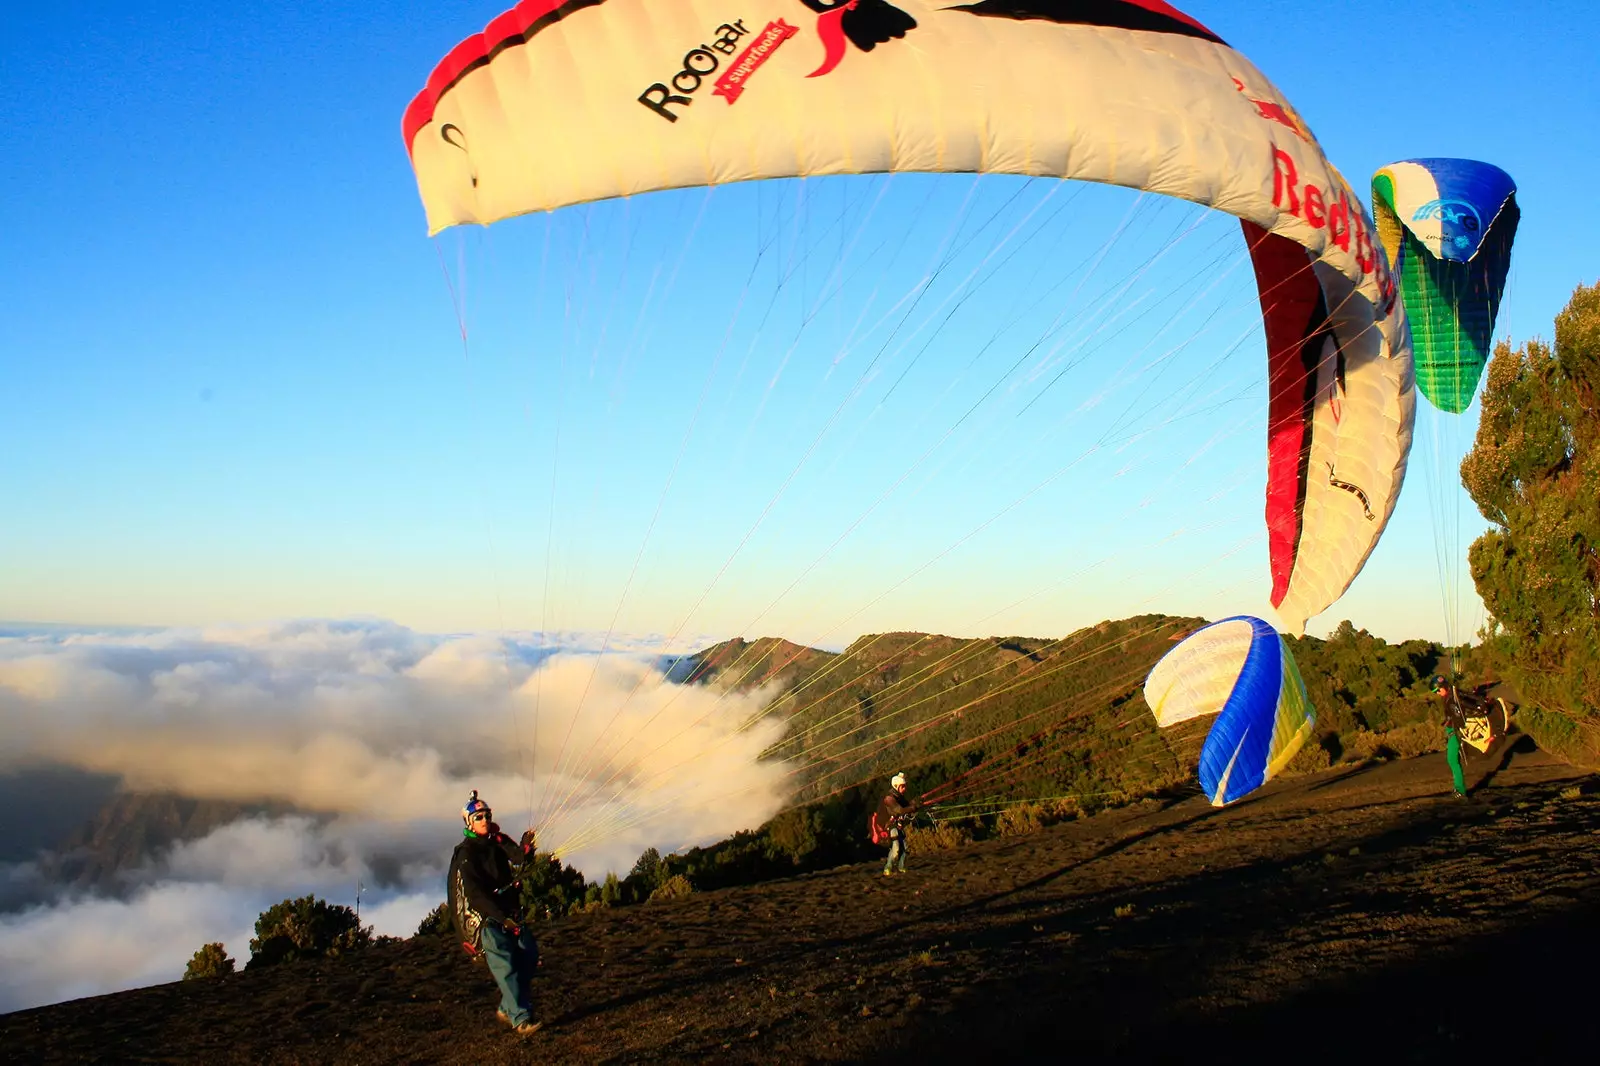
(897, 780)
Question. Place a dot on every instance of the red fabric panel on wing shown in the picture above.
(510, 26)
(1171, 12)
(1294, 315)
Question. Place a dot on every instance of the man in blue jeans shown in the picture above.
(892, 817)
(483, 888)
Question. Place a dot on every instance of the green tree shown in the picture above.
(549, 889)
(1534, 472)
(210, 961)
(437, 922)
(305, 928)
(645, 868)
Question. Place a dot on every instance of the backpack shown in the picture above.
(879, 834)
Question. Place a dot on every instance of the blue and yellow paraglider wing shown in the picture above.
(1241, 670)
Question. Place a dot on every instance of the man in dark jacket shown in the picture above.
(482, 888)
(892, 816)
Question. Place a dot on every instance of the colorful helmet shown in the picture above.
(897, 780)
(1439, 683)
(474, 806)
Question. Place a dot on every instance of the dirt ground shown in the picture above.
(1361, 911)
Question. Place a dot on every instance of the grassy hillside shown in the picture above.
(1065, 715)
(1009, 734)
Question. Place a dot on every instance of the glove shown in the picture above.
(528, 841)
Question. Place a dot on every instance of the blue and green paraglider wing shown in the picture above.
(1240, 670)
(1448, 225)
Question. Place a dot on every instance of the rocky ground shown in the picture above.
(1361, 911)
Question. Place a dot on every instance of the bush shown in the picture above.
(1020, 821)
(1311, 757)
(675, 887)
(793, 833)
(305, 928)
(1405, 742)
(1366, 744)
(1418, 738)
(210, 961)
(437, 922)
(942, 837)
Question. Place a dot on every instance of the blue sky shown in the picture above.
(234, 388)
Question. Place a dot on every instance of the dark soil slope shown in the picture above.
(1359, 912)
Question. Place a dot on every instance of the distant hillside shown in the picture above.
(1066, 712)
(741, 664)
(1006, 734)
(1019, 717)
(132, 828)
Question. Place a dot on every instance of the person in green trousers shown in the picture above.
(1455, 719)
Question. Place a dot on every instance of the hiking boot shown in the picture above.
(502, 1017)
(1463, 797)
(888, 873)
(527, 1028)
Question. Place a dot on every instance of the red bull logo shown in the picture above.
(1273, 111)
(1308, 201)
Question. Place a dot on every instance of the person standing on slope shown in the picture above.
(1455, 719)
(889, 823)
(482, 887)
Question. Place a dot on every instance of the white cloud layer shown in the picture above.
(379, 734)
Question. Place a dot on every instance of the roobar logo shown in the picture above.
(702, 61)
(840, 23)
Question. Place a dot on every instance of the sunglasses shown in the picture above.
(480, 817)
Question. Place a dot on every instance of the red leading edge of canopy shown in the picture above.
(1160, 8)
(519, 20)
(469, 53)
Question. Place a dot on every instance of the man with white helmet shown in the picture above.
(889, 824)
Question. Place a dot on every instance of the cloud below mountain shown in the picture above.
(376, 734)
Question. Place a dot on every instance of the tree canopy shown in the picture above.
(1534, 472)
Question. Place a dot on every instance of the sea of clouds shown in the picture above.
(374, 734)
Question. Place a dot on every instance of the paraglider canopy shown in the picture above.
(1241, 670)
(556, 104)
(1447, 225)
